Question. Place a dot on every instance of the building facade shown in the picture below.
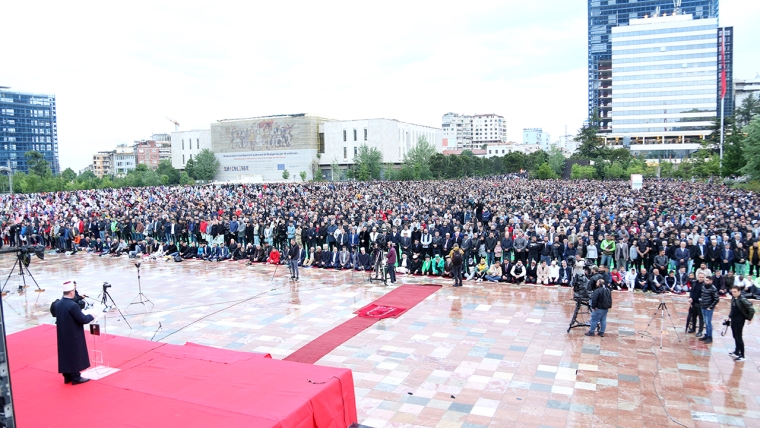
(124, 160)
(536, 136)
(468, 132)
(102, 163)
(151, 153)
(504, 149)
(27, 122)
(665, 74)
(603, 15)
(187, 144)
(744, 87)
(391, 137)
(261, 148)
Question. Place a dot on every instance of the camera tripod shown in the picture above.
(104, 301)
(662, 308)
(23, 270)
(378, 272)
(141, 298)
(574, 322)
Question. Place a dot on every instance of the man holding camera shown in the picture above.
(601, 302)
(741, 311)
(73, 356)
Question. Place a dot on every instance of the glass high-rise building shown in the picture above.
(27, 122)
(603, 15)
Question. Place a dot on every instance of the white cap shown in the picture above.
(68, 286)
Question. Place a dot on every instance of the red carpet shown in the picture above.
(380, 311)
(405, 296)
(162, 385)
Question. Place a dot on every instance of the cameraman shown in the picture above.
(741, 311)
(601, 302)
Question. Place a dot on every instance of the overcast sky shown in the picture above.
(117, 71)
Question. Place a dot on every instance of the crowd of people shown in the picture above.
(658, 239)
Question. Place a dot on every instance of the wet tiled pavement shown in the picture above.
(484, 355)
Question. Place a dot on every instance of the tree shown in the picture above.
(185, 179)
(556, 160)
(303, 175)
(285, 174)
(335, 170)
(750, 107)
(751, 149)
(189, 167)
(579, 172)
(205, 166)
(515, 161)
(546, 172)
(417, 161)
(368, 163)
(316, 173)
(37, 164)
(589, 144)
(165, 168)
(68, 175)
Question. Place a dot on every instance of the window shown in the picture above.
(345, 152)
(197, 145)
(354, 134)
(356, 151)
(191, 156)
(365, 134)
(183, 158)
(344, 135)
(183, 144)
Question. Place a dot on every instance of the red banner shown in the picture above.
(380, 311)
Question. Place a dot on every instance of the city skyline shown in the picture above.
(115, 80)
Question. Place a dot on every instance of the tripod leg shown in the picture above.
(13, 269)
(107, 294)
(33, 280)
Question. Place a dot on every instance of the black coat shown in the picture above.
(73, 356)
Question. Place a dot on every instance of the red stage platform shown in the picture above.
(163, 385)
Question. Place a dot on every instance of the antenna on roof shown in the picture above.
(676, 7)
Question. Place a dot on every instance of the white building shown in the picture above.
(743, 88)
(472, 132)
(504, 149)
(567, 144)
(187, 144)
(536, 136)
(393, 138)
(664, 84)
(124, 160)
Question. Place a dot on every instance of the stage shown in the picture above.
(159, 384)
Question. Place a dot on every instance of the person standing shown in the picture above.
(741, 311)
(392, 262)
(294, 255)
(457, 260)
(73, 356)
(695, 310)
(707, 301)
(601, 302)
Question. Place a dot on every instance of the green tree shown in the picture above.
(285, 174)
(303, 175)
(751, 149)
(614, 170)
(749, 108)
(185, 179)
(589, 144)
(579, 172)
(165, 168)
(68, 174)
(189, 167)
(205, 166)
(545, 172)
(37, 164)
(515, 161)
(368, 163)
(556, 160)
(416, 164)
(335, 170)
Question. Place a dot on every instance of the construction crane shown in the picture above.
(176, 124)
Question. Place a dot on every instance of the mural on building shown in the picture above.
(265, 134)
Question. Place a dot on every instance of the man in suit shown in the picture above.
(682, 256)
(622, 254)
(699, 255)
(713, 255)
(726, 258)
(565, 274)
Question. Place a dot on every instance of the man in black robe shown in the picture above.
(73, 356)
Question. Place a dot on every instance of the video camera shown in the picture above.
(24, 253)
(106, 286)
(580, 287)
